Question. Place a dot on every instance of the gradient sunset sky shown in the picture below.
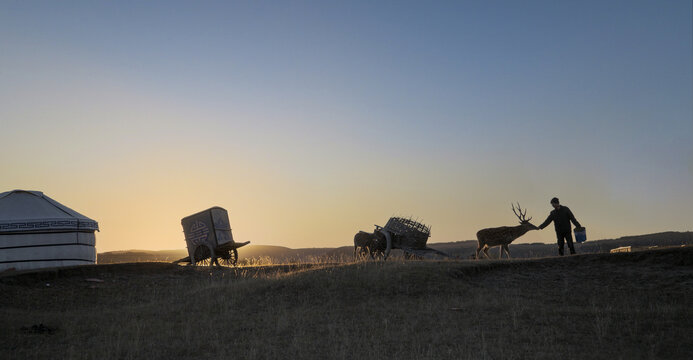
(309, 121)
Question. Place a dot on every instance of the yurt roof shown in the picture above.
(32, 211)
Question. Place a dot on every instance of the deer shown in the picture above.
(504, 235)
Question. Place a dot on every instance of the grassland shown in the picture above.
(603, 306)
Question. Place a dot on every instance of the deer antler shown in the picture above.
(522, 216)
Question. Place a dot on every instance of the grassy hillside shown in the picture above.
(604, 306)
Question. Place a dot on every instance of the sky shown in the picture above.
(311, 120)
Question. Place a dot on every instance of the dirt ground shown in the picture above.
(605, 306)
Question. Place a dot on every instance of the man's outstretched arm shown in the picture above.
(547, 221)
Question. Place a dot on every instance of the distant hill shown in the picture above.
(248, 254)
(124, 256)
(265, 254)
(467, 248)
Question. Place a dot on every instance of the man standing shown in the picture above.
(561, 217)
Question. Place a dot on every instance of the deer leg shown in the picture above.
(486, 252)
(507, 250)
(480, 249)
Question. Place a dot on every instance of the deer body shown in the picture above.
(503, 236)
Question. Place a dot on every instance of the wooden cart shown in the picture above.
(209, 239)
(405, 234)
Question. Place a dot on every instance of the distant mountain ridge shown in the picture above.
(463, 249)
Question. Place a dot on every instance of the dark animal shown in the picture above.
(504, 235)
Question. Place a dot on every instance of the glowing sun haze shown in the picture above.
(309, 121)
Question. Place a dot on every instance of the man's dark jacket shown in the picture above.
(561, 218)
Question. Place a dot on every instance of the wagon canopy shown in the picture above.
(208, 227)
(37, 232)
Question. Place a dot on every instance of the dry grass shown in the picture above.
(620, 306)
(324, 259)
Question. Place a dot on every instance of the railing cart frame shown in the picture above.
(405, 234)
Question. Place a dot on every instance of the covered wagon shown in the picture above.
(208, 238)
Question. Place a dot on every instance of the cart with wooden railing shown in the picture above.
(405, 234)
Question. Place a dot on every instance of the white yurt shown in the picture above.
(39, 232)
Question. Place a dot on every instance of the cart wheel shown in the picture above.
(229, 258)
(203, 256)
